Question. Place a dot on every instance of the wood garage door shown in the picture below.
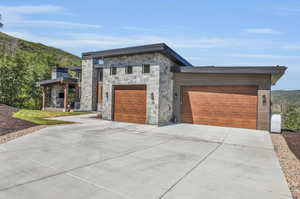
(232, 106)
(130, 103)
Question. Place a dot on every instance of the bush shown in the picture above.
(292, 118)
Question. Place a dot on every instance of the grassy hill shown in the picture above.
(282, 98)
(11, 46)
(22, 64)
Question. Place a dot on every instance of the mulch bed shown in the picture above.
(293, 141)
(287, 147)
(14, 135)
(9, 124)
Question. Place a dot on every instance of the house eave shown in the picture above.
(276, 72)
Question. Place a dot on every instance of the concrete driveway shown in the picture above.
(102, 159)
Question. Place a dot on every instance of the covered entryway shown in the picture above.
(130, 103)
(232, 106)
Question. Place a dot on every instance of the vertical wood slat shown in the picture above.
(99, 93)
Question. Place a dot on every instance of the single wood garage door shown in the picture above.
(130, 103)
(232, 106)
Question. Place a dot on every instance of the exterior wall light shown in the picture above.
(152, 96)
(175, 95)
(106, 95)
(264, 100)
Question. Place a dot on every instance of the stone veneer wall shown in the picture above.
(55, 101)
(88, 86)
(166, 89)
(158, 82)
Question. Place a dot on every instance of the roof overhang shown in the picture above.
(276, 72)
(161, 48)
(60, 80)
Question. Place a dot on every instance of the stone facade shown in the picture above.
(56, 101)
(88, 86)
(162, 84)
(158, 83)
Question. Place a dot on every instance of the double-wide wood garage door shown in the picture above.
(130, 103)
(232, 106)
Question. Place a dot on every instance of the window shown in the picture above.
(61, 95)
(100, 74)
(78, 75)
(98, 61)
(128, 70)
(146, 68)
(113, 70)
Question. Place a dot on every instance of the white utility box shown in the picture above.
(276, 123)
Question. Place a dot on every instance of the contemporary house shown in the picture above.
(152, 84)
(61, 92)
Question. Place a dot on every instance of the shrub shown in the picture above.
(292, 118)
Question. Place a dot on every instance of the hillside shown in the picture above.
(22, 64)
(11, 46)
(285, 97)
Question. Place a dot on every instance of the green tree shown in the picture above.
(292, 118)
(12, 73)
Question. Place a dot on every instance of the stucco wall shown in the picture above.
(262, 81)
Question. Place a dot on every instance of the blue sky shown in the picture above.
(220, 33)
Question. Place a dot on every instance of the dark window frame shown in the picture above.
(129, 69)
(100, 74)
(61, 95)
(146, 68)
(113, 70)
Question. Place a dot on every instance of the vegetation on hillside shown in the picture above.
(40, 117)
(22, 64)
(292, 118)
(287, 103)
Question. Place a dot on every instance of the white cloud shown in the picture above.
(286, 11)
(15, 16)
(291, 47)
(262, 31)
(264, 56)
(31, 9)
(54, 24)
(134, 28)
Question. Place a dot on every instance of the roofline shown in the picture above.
(60, 80)
(276, 72)
(159, 47)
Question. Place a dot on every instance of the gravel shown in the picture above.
(287, 147)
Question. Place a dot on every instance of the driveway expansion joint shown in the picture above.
(193, 168)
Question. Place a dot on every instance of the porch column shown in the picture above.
(77, 92)
(66, 91)
(44, 97)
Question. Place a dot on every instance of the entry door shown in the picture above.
(232, 106)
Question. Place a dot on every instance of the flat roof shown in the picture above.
(160, 47)
(275, 71)
(59, 80)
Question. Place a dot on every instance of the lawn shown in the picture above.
(40, 117)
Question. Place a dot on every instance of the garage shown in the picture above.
(130, 103)
(230, 106)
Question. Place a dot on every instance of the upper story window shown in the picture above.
(128, 70)
(100, 74)
(113, 70)
(78, 75)
(146, 68)
(98, 61)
